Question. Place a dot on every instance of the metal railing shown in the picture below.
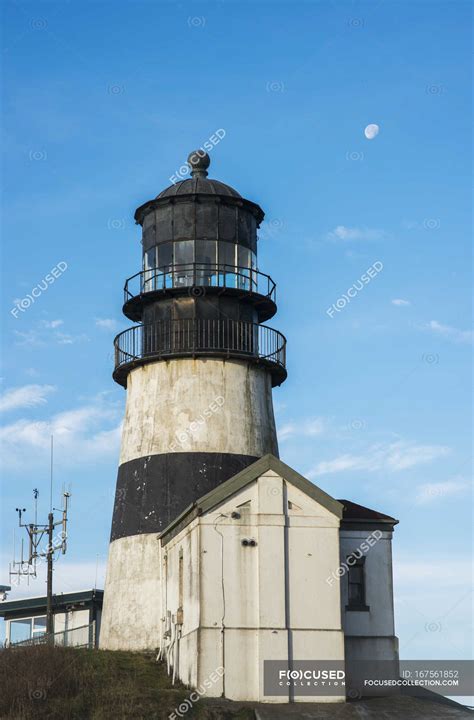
(83, 636)
(199, 275)
(200, 336)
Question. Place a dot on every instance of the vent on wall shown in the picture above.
(294, 507)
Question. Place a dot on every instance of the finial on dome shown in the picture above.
(198, 162)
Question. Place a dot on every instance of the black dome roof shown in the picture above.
(199, 185)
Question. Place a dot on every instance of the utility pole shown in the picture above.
(49, 580)
(36, 532)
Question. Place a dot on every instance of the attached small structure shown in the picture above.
(77, 618)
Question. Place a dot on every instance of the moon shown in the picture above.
(371, 131)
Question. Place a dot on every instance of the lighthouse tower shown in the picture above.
(198, 367)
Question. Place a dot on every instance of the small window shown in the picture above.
(356, 583)
(20, 630)
(39, 625)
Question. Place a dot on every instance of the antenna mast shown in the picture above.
(36, 532)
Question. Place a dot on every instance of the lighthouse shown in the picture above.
(230, 564)
(198, 366)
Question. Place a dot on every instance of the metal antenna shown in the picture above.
(36, 532)
(35, 495)
(51, 482)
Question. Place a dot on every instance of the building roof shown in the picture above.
(245, 477)
(60, 601)
(199, 186)
(357, 515)
(353, 511)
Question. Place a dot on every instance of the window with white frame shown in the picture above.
(26, 628)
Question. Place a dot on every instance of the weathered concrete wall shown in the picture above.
(364, 657)
(175, 410)
(131, 610)
(379, 621)
(370, 635)
(202, 405)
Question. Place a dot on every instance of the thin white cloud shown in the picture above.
(52, 324)
(430, 492)
(450, 333)
(348, 234)
(286, 431)
(306, 428)
(106, 323)
(29, 338)
(85, 434)
(425, 570)
(32, 372)
(432, 595)
(67, 339)
(391, 457)
(47, 333)
(400, 302)
(26, 396)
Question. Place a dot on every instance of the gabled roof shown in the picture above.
(245, 477)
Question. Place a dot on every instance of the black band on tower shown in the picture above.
(153, 490)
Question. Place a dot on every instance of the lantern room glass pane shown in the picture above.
(227, 262)
(165, 261)
(183, 252)
(243, 256)
(149, 261)
(165, 256)
(183, 263)
(227, 252)
(206, 251)
(253, 275)
(206, 260)
(149, 258)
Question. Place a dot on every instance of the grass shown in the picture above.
(54, 683)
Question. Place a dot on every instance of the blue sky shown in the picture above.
(102, 102)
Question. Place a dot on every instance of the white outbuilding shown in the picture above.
(268, 568)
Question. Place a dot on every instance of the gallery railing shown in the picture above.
(199, 275)
(200, 337)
